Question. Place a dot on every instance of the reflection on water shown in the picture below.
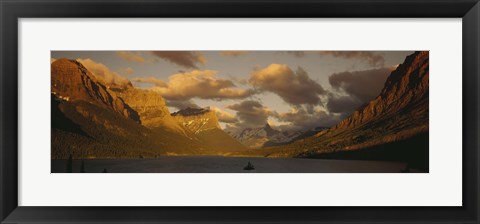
(216, 164)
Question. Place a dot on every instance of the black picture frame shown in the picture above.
(11, 11)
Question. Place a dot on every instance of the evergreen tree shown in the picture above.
(82, 168)
(70, 164)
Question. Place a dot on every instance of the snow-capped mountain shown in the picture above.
(203, 123)
(265, 136)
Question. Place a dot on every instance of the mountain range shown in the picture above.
(394, 125)
(93, 120)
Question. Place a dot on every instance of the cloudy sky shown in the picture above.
(291, 90)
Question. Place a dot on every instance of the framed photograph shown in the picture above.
(239, 112)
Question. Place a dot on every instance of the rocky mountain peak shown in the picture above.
(269, 129)
(189, 111)
(406, 87)
(71, 81)
(197, 119)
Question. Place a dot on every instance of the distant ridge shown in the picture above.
(265, 136)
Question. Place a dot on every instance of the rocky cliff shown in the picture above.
(405, 92)
(70, 80)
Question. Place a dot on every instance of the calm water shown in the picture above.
(214, 164)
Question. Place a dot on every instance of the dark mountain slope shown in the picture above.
(109, 135)
(265, 136)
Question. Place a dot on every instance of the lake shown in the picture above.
(218, 164)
